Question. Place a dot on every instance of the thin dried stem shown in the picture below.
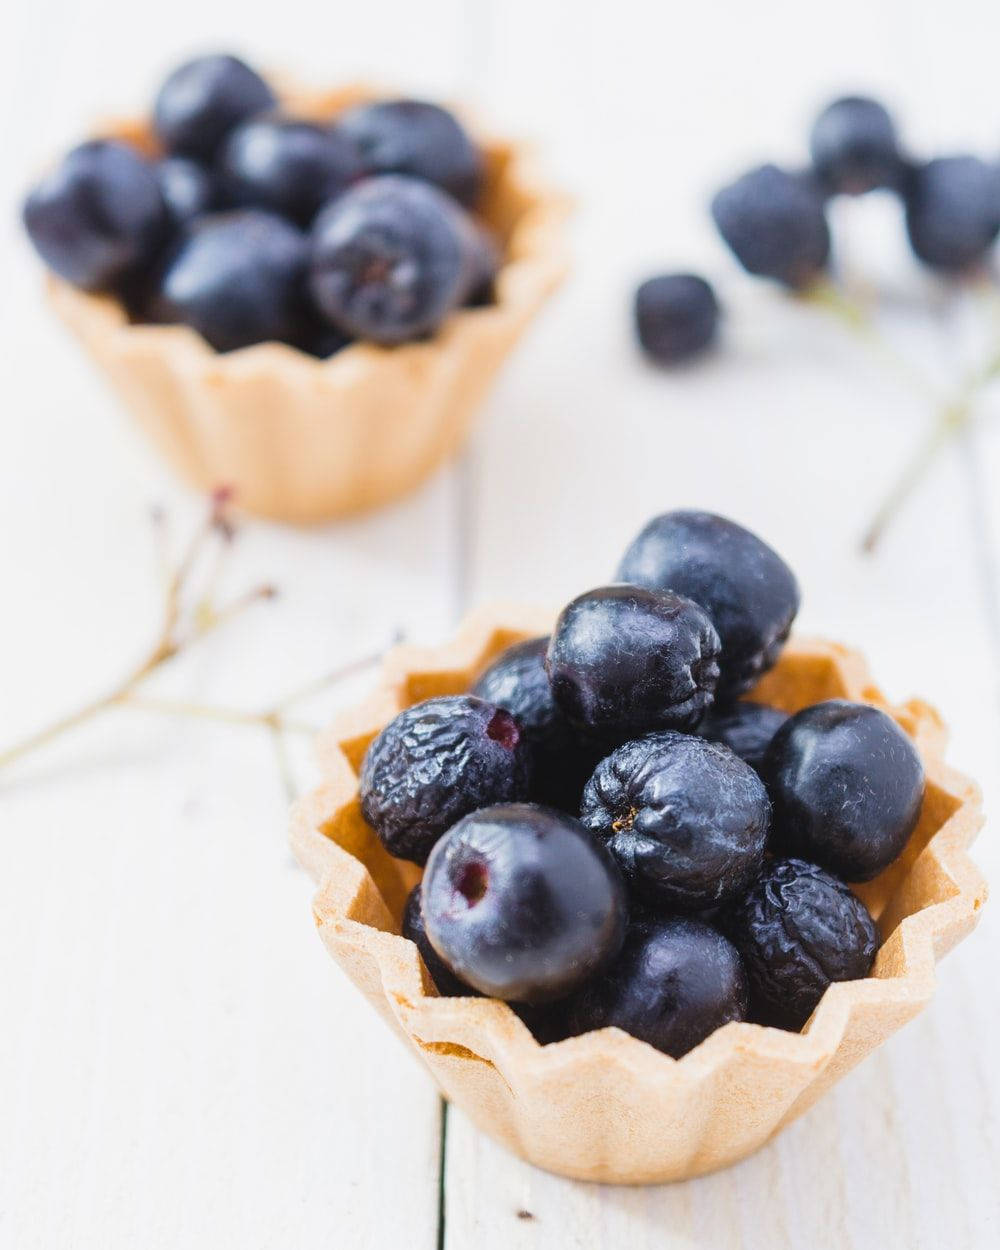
(951, 420)
(825, 295)
(209, 618)
(179, 630)
(341, 673)
(170, 639)
(284, 763)
(205, 711)
(44, 736)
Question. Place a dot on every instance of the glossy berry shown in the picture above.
(746, 728)
(419, 139)
(203, 100)
(390, 259)
(676, 317)
(686, 820)
(623, 660)
(236, 278)
(855, 148)
(189, 190)
(413, 927)
(847, 785)
(745, 587)
(98, 216)
(775, 224)
(434, 763)
(522, 902)
(953, 211)
(676, 981)
(289, 167)
(798, 929)
(517, 681)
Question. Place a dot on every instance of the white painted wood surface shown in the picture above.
(179, 1065)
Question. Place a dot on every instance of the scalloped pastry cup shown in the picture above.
(306, 440)
(605, 1106)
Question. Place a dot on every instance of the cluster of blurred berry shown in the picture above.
(775, 222)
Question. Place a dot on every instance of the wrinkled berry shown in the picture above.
(746, 728)
(798, 929)
(522, 902)
(391, 258)
(745, 587)
(289, 167)
(517, 681)
(419, 139)
(203, 100)
(676, 981)
(188, 188)
(676, 317)
(98, 216)
(953, 211)
(775, 225)
(854, 147)
(623, 660)
(236, 278)
(686, 820)
(413, 927)
(847, 785)
(434, 763)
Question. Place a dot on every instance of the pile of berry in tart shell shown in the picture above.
(613, 835)
(251, 225)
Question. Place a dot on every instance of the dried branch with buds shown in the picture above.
(188, 619)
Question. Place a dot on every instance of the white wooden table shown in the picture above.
(179, 1064)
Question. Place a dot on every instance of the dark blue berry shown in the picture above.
(847, 785)
(746, 728)
(290, 167)
(522, 902)
(517, 681)
(855, 148)
(953, 211)
(775, 224)
(686, 820)
(746, 588)
(203, 100)
(189, 190)
(420, 139)
(316, 337)
(434, 763)
(413, 927)
(798, 929)
(99, 216)
(390, 259)
(623, 660)
(676, 981)
(676, 317)
(236, 278)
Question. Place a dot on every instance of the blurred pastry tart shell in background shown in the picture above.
(305, 440)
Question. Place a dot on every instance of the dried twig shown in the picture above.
(952, 418)
(182, 626)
